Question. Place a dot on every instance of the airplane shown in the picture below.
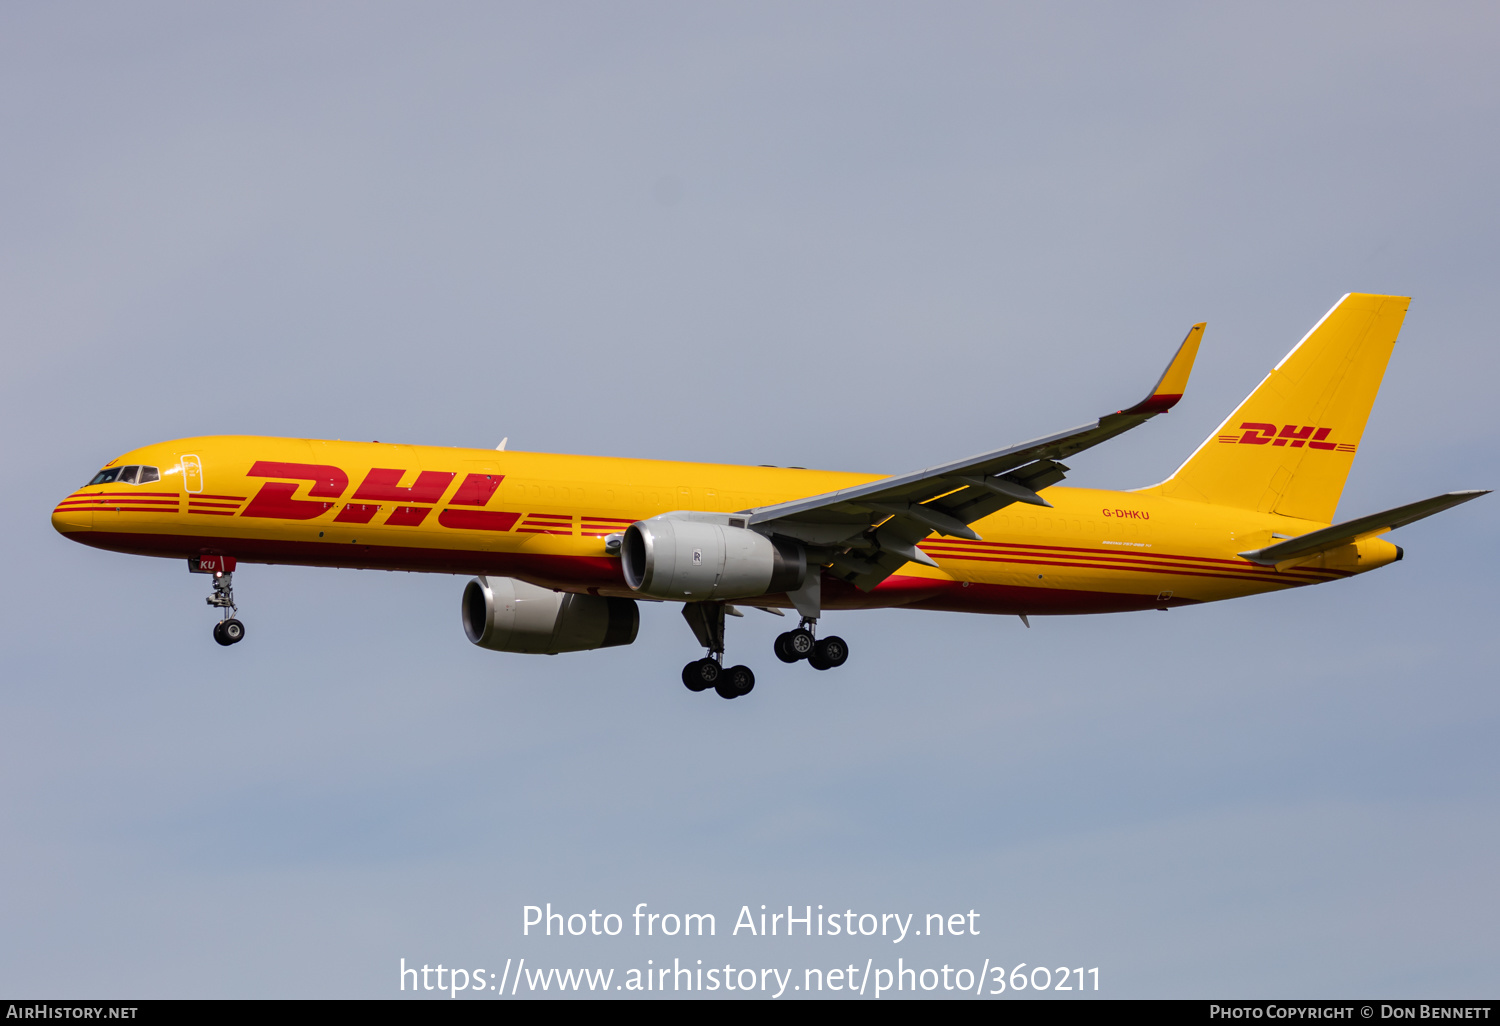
(563, 547)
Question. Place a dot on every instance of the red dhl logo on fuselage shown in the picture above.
(1294, 435)
(380, 486)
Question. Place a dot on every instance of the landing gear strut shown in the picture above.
(801, 644)
(229, 630)
(707, 621)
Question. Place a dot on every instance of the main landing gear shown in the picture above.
(800, 644)
(705, 673)
(707, 621)
(228, 631)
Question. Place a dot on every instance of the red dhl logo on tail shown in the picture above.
(381, 486)
(1294, 435)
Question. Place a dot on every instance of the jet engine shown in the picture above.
(698, 557)
(512, 616)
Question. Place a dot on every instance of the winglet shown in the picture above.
(1174, 379)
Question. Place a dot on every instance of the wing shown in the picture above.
(868, 532)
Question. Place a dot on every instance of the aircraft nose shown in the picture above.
(71, 515)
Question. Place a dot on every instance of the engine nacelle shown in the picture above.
(698, 557)
(512, 616)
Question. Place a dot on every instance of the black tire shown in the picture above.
(800, 642)
(735, 681)
(784, 653)
(219, 634)
(233, 631)
(835, 651)
(741, 678)
(700, 674)
(819, 658)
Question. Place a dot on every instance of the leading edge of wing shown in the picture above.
(1026, 453)
(1169, 389)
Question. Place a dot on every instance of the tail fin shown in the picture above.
(1287, 449)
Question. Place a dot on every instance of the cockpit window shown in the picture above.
(127, 475)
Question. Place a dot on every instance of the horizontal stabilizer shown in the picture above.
(1363, 527)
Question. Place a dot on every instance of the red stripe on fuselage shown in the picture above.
(1160, 569)
(94, 503)
(1134, 563)
(1094, 550)
(83, 494)
(973, 550)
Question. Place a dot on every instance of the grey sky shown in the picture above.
(856, 236)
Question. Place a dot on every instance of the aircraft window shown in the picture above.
(127, 475)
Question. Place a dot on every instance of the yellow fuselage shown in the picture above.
(543, 518)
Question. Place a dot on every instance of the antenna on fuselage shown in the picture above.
(501, 446)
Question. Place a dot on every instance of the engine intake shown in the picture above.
(512, 616)
(703, 557)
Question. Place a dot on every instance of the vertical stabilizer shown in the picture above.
(1288, 448)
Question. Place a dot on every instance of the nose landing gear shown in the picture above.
(228, 631)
